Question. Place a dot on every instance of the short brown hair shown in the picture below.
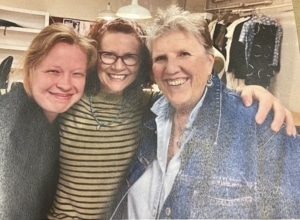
(120, 25)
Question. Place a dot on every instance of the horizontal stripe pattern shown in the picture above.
(94, 161)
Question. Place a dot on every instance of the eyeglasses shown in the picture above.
(110, 58)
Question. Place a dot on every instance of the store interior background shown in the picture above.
(285, 85)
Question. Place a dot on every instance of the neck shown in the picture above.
(179, 121)
(50, 116)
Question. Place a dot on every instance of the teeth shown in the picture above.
(117, 76)
(176, 82)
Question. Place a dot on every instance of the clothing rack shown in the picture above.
(240, 9)
(263, 8)
(241, 5)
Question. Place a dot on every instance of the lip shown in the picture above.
(117, 76)
(62, 96)
(177, 82)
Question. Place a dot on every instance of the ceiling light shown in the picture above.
(107, 14)
(134, 11)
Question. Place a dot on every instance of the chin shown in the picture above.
(61, 109)
(117, 90)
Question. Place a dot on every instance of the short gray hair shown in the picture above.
(174, 18)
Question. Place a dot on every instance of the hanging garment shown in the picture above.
(247, 35)
(219, 40)
(5, 68)
(261, 37)
(260, 69)
(235, 61)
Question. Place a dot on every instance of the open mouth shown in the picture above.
(115, 76)
(177, 82)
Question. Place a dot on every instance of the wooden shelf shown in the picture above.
(19, 29)
(14, 41)
(24, 17)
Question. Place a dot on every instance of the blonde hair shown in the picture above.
(44, 42)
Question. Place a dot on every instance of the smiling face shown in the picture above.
(181, 68)
(114, 78)
(58, 80)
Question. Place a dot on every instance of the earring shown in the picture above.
(209, 83)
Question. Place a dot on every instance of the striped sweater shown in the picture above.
(98, 139)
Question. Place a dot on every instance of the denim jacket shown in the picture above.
(230, 168)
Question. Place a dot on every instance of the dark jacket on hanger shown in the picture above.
(237, 61)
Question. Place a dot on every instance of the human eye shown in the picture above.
(184, 54)
(108, 55)
(131, 57)
(159, 59)
(52, 71)
(79, 74)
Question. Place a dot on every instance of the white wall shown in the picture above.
(286, 84)
(79, 9)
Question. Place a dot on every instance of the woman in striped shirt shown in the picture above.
(100, 134)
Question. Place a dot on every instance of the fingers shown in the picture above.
(246, 94)
(283, 115)
(290, 123)
(264, 97)
(279, 115)
(268, 102)
(264, 107)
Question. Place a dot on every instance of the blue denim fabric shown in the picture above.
(231, 168)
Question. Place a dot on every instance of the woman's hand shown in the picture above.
(267, 102)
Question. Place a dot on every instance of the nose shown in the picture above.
(118, 64)
(172, 65)
(64, 82)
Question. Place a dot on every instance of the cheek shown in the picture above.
(102, 66)
(156, 71)
(79, 84)
(101, 76)
(101, 69)
(37, 82)
(132, 72)
(199, 82)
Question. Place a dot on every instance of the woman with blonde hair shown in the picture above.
(55, 68)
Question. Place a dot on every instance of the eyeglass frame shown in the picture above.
(117, 57)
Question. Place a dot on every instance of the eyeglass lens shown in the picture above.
(111, 58)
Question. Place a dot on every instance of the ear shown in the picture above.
(211, 59)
